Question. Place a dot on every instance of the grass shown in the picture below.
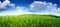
(30, 21)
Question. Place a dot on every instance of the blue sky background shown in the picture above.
(28, 2)
(16, 7)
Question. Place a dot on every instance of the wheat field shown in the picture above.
(30, 21)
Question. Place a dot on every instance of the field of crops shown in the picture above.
(30, 21)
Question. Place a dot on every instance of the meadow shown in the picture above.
(30, 21)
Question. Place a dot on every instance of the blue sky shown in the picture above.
(28, 2)
(18, 7)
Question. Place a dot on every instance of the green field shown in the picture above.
(30, 21)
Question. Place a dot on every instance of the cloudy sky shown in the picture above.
(18, 7)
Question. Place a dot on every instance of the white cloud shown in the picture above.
(5, 4)
(37, 7)
(44, 7)
(18, 11)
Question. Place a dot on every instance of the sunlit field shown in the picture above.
(30, 21)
